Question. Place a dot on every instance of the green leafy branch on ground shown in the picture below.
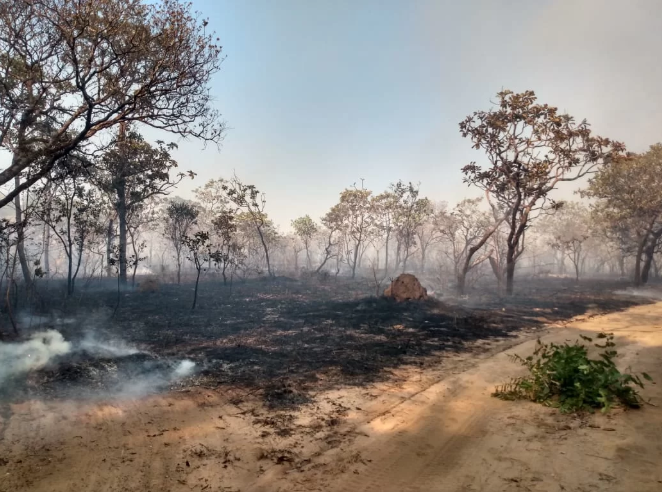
(564, 376)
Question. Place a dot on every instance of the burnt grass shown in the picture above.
(286, 338)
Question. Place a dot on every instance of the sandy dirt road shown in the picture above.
(455, 437)
(433, 431)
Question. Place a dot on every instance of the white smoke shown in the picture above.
(17, 358)
(153, 382)
(183, 369)
(649, 293)
(106, 348)
(35, 353)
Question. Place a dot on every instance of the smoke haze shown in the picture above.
(35, 353)
(119, 369)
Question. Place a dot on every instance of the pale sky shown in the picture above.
(321, 93)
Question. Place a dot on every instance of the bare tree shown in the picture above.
(295, 244)
(567, 232)
(328, 244)
(141, 216)
(466, 229)
(427, 233)
(384, 209)
(73, 213)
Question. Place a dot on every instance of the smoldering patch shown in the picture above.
(36, 352)
(46, 365)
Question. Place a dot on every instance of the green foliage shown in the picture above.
(305, 228)
(564, 376)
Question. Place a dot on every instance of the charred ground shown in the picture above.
(284, 338)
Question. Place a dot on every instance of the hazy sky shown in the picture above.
(321, 93)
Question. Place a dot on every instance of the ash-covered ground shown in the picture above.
(284, 338)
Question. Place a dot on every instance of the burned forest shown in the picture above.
(228, 266)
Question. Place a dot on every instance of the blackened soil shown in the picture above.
(286, 338)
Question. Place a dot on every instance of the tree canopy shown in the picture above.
(71, 70)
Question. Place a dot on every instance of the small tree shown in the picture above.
(73, 213)
(353, 216)
(305, 228)
(410, 213)
(143, 216)
(180, 216)
(249, 199)
(384, 208)
(328, 244)
(132, 171)
(465, 230)
(295, 244)
(212, 198)
(427, 233)
(229, 254)
(531, 148)
(568, 230)
(199, 251)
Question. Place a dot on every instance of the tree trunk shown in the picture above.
(109, 247)
(645, 269)
(361, 253)
(70, 270)
(75, 274)
(133, 274)
(637, 260)
(562, 261)
(20, 237)
(510, 269)
(47, 248)
(356, 259)
(136, 254)
(327, 253)
(397, 255)
(649, 253)
(10, 282)
(496, 269)
(121, 218)
(266, 251)
(195, 293)
(461, 282)
(423, 251)
(656, 269)
(386, 253)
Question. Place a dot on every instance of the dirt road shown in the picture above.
(455, 437)
(428, 431)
